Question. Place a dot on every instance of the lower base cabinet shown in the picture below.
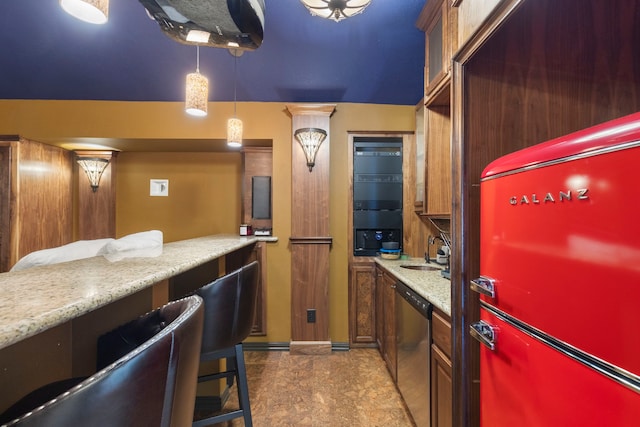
(389, 336)
(441, 382)
(362, 299)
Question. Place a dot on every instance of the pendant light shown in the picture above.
(234, 125)
(197, 91)
(92, 11)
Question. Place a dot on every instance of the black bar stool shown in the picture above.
(153, 384)
(229, 303)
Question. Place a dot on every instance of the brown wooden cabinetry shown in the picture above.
(364, 321)
(379, 309)
(386, 310)
(36, 207)
(505, 98)
(438, 160)
(439, 22)
(362, 302)
(441, 372)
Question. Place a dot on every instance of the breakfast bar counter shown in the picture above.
(39, 298)
(51, 316)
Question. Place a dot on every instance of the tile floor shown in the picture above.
(345, 389)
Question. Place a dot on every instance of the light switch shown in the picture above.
(159, 187)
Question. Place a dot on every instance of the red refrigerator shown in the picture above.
(560, 282)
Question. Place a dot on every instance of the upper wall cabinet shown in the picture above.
(438, 161)
(439, 22)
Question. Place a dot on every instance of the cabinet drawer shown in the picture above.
(441, 333)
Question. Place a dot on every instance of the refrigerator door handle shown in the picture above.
(484, 333)
(484, 285)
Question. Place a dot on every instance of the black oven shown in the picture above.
(367, 242)
(371, 228)
(377, 193)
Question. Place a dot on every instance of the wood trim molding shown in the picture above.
(310, 348)
(311, 109)
(311, 240)
(428, 13)
(464, 307)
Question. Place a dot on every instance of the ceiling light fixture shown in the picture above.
(335, 9)
(198, 36)
(93, 167)
(310, 140)
(197, 91)
(234, 125)
(92, 11)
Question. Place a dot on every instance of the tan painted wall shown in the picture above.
(204, 188)
(203, 195)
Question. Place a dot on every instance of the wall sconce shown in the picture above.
(91, 11)
(93, 167)
(310, 140)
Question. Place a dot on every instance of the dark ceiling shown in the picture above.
(375, 57)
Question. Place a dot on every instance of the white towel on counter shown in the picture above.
(142, 245)
(69, 252)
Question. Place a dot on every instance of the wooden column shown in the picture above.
(97, 210)
(310, 241)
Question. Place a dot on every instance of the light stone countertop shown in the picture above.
(428, 284)
(40, 298)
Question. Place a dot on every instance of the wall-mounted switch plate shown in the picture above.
(159, 187)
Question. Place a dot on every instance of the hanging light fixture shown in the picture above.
(197, 91)
(234, 125)
(335, 9)
(310, 140)
(92, 11)
(93, 167)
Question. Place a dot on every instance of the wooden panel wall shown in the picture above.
(97, 210)
(41, 194)
(536, 70)
(5, 201)
(310, 240)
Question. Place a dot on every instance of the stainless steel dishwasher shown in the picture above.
(413, 329)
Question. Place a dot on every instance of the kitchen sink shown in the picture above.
(421, 267)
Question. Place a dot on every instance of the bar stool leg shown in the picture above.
(243, 386)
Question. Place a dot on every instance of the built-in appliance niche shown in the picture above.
(377, 193)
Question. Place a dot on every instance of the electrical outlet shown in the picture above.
(311, 315)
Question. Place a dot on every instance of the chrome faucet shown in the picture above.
(431, 240)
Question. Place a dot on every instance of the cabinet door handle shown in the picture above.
(484, 285)
(484, 333)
